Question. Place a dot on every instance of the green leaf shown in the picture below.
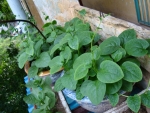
(101, 59)
(137, 47)
(132, 72)
(50, 39)
(84, 37)
(68, 80)
(37, 111)
(53, 34)
(146, 99)
(127, 35)
(55, 47)
(119, 54)
(97, 38)
(30, 50)
(31, 84)
(82, 27)
(109, 72)
(134, 103)
(80, 72)
(33, 70)
(114, 99)
(85, 58)
(109, 45)
(127, 86)
(58, 85)
(82, 12)
(83, 88)
(79, 95)
(65, 39)
(23, 58)
(96, 91)
(55, 64)
(114, 87)
(66, 53)
(38, 47)
(30, 99)
(74, 43)
(43, 60)
(96, 53)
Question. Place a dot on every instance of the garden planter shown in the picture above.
(53, 77)
(86, 103)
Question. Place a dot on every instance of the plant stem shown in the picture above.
(148, 86)
(124, 95)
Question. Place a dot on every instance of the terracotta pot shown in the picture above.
(43, 73)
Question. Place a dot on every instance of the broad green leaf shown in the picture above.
(43, 60)
(30, 50)
(137, 47)
(53, 34)
(33, 71)
(65, 39)
(37, 111)
(96, 53)
(84, 37)
(127, 35)
(82, 12)
(134, 103)
(59, 38)
(58, 85)
(109, 45)
(127, 86)
(55, 47)
(101, 59)
(132, 72)
(30, 99)
(119, 54)
(46, 82)
(80, 72)
(74, 43)
(23, 58)
(82, 27)
(68, 80)
(97, 38)
(66, 53)
(38, 47)
(113, 87)
(51, 100)
(109, 72)
(31, 84)
(79, 95)
(83, 88)
(85, 58)
(133, 60)
(91, 73)
(96, 91)
(114, 99)
(50, 39)
(146, 99)
(56, 64)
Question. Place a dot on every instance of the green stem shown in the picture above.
(124, 95)
(148, 86)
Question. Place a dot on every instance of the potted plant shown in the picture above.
(92, 70)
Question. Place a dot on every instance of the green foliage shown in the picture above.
(91, 69)
(11, 78)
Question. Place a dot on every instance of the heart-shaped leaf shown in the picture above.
(33, 70)
(22, 59)
(83, 88)
(58, 85)
(109, 72)
(134, 103)
(80, 72)
(119, 54)
(43, 60)
(109, 45)
(146, 99)
(56, 64)
(127, 35)
(132, 72)
(114, 87)
(114, 99)
(127, 86)
(85, 58)
(137, 47)
(66, 53)
(96, 91)
(74, 43)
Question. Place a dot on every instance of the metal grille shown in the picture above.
(143, 11)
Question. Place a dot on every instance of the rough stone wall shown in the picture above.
(64, 10)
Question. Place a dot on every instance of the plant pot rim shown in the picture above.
(43, 73)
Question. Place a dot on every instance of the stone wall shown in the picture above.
(64, 10)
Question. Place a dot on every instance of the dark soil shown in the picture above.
(142, 110)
